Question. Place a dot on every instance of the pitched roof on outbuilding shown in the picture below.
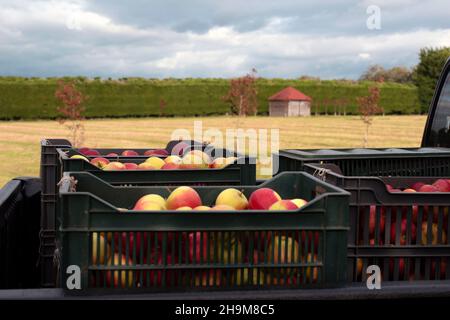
(289, 94)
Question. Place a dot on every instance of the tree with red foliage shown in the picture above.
(368, 106)
(242, 95)
(162, 107)
(71, 110)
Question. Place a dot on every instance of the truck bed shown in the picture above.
(357, 291)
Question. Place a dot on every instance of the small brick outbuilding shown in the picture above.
(289, 102)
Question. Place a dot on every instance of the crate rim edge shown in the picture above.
(384, 190)
(61, 150)
(287, 153)
(63, 156)
(64, 189)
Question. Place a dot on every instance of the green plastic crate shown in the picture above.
(167, 248)
(374, 162)
(241, 172)
(373, 212)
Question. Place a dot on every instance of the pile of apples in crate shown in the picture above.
(158, 159)
(186, 198)
(440, 185)
(422, 229)
(278, 248)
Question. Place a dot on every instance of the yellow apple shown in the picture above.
(192, 161)
(299, 202)
(124, 282)
(99, 245)
(78, 156)
(155, 162)
(205, 158)
(146, 166)
(232, 197)
(243, 277)
(202, 208)
(222, 207)
(285, 250)
(315, 270)
(173, 159)
(150, 198)
(282, 205)
(221, 162)
(185, 208)
(113, 166)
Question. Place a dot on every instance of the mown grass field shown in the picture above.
(20, 140)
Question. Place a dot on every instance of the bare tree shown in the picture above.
(368, 106)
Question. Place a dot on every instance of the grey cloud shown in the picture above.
(185, 39)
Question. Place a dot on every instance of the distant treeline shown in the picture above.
(33, 98)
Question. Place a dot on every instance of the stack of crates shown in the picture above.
(56, 159)
(404, 233)
(119, 249)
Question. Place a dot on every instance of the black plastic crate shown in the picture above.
(373, 162)
(55, 159)
(405, 251)
(49, 173)
(202, 250)
(241, 172)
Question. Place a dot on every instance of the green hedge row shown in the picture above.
(32, 98)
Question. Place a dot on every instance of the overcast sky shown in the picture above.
(200, 38)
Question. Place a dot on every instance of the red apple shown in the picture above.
(198, 247)
(416, 186)
(170, 166)
(129, 153)
(442, 269)
(155, 277)
(401, 267)
(442, 185)
(183, 196)
(112, 154)
(409, 190)
(372, 221)
(83, 150)
(92, 152)
(403, 232)
(389, 187)
(428, 188)
(99, 162)
(263, 198)
(131, 166)
(156, 152)
(310, 235)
